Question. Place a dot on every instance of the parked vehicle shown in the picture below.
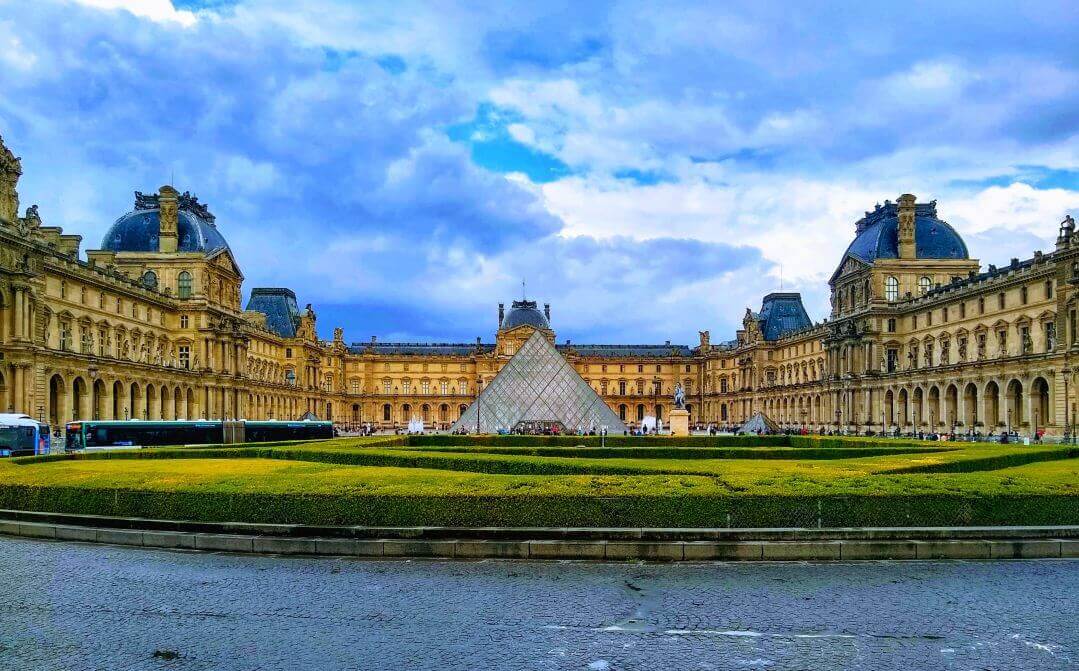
(21, 435)
(97, 435)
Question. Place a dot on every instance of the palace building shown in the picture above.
(151, 325)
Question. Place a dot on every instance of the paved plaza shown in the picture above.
(76, 606)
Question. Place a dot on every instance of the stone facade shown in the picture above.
(152, 326)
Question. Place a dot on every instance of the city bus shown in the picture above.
(22, 436)
(97, 435)
(267, 432)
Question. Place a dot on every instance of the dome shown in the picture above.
(137, 230)
(878, 235)
(525, 313)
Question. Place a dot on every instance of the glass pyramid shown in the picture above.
(538, 386)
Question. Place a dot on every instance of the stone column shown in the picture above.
(19, 389)
(19, 313)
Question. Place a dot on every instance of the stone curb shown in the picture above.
(505, 534)
(601, 550)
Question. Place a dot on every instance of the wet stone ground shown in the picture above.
(74, 606)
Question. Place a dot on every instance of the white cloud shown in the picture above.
(155, 10)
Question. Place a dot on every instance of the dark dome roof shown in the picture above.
(137, 230)
(525, 313)
(878, 235)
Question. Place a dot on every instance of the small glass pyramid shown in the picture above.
(538, 388)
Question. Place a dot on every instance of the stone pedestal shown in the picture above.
(679, 422)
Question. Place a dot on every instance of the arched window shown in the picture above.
(149, 279)
(183, 288)
(891, 289)
(924, 284)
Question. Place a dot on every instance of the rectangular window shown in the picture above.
(1024, 339)
(893, 359)
(914, 321)
(1049, 289)
(1000, 301)
(1050, 336)
(185, 356)
(444, 388)
(891, 325)
(385, 386)
(65, 336)
(944, 314)
(183, 321)
(640, 368)
(963, 310)
(928, 318)
(1023, 295)
(981, 306)
(288, 352)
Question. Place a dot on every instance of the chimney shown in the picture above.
(167, 219)
(907, 245)
(547, 312)
(501, 313)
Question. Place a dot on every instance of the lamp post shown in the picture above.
(93, 371)
(1067, 407)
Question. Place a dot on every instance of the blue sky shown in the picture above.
(652, 169)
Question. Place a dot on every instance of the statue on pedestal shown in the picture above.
(679, 397)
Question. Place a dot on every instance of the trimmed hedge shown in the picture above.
(739, 511)
(508, 461)
(689, 453)
(992, 463)
(596, 441)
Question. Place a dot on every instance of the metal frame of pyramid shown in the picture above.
(759, 423)
(537, 384)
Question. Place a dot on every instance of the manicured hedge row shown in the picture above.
(733, 510)
(993, 463)
(491, 464)
(596, 441)
(689, 452)
(514, 461)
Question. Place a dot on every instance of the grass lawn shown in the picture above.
(786, 482)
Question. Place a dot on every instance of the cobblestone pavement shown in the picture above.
(75, 606)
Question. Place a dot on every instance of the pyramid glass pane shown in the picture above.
(538, 385)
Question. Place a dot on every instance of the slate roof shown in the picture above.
(524, 313)
(782, 313)
(137, 230)
(629, 350)
(279, 306)
(419, 348)
(878, 235)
